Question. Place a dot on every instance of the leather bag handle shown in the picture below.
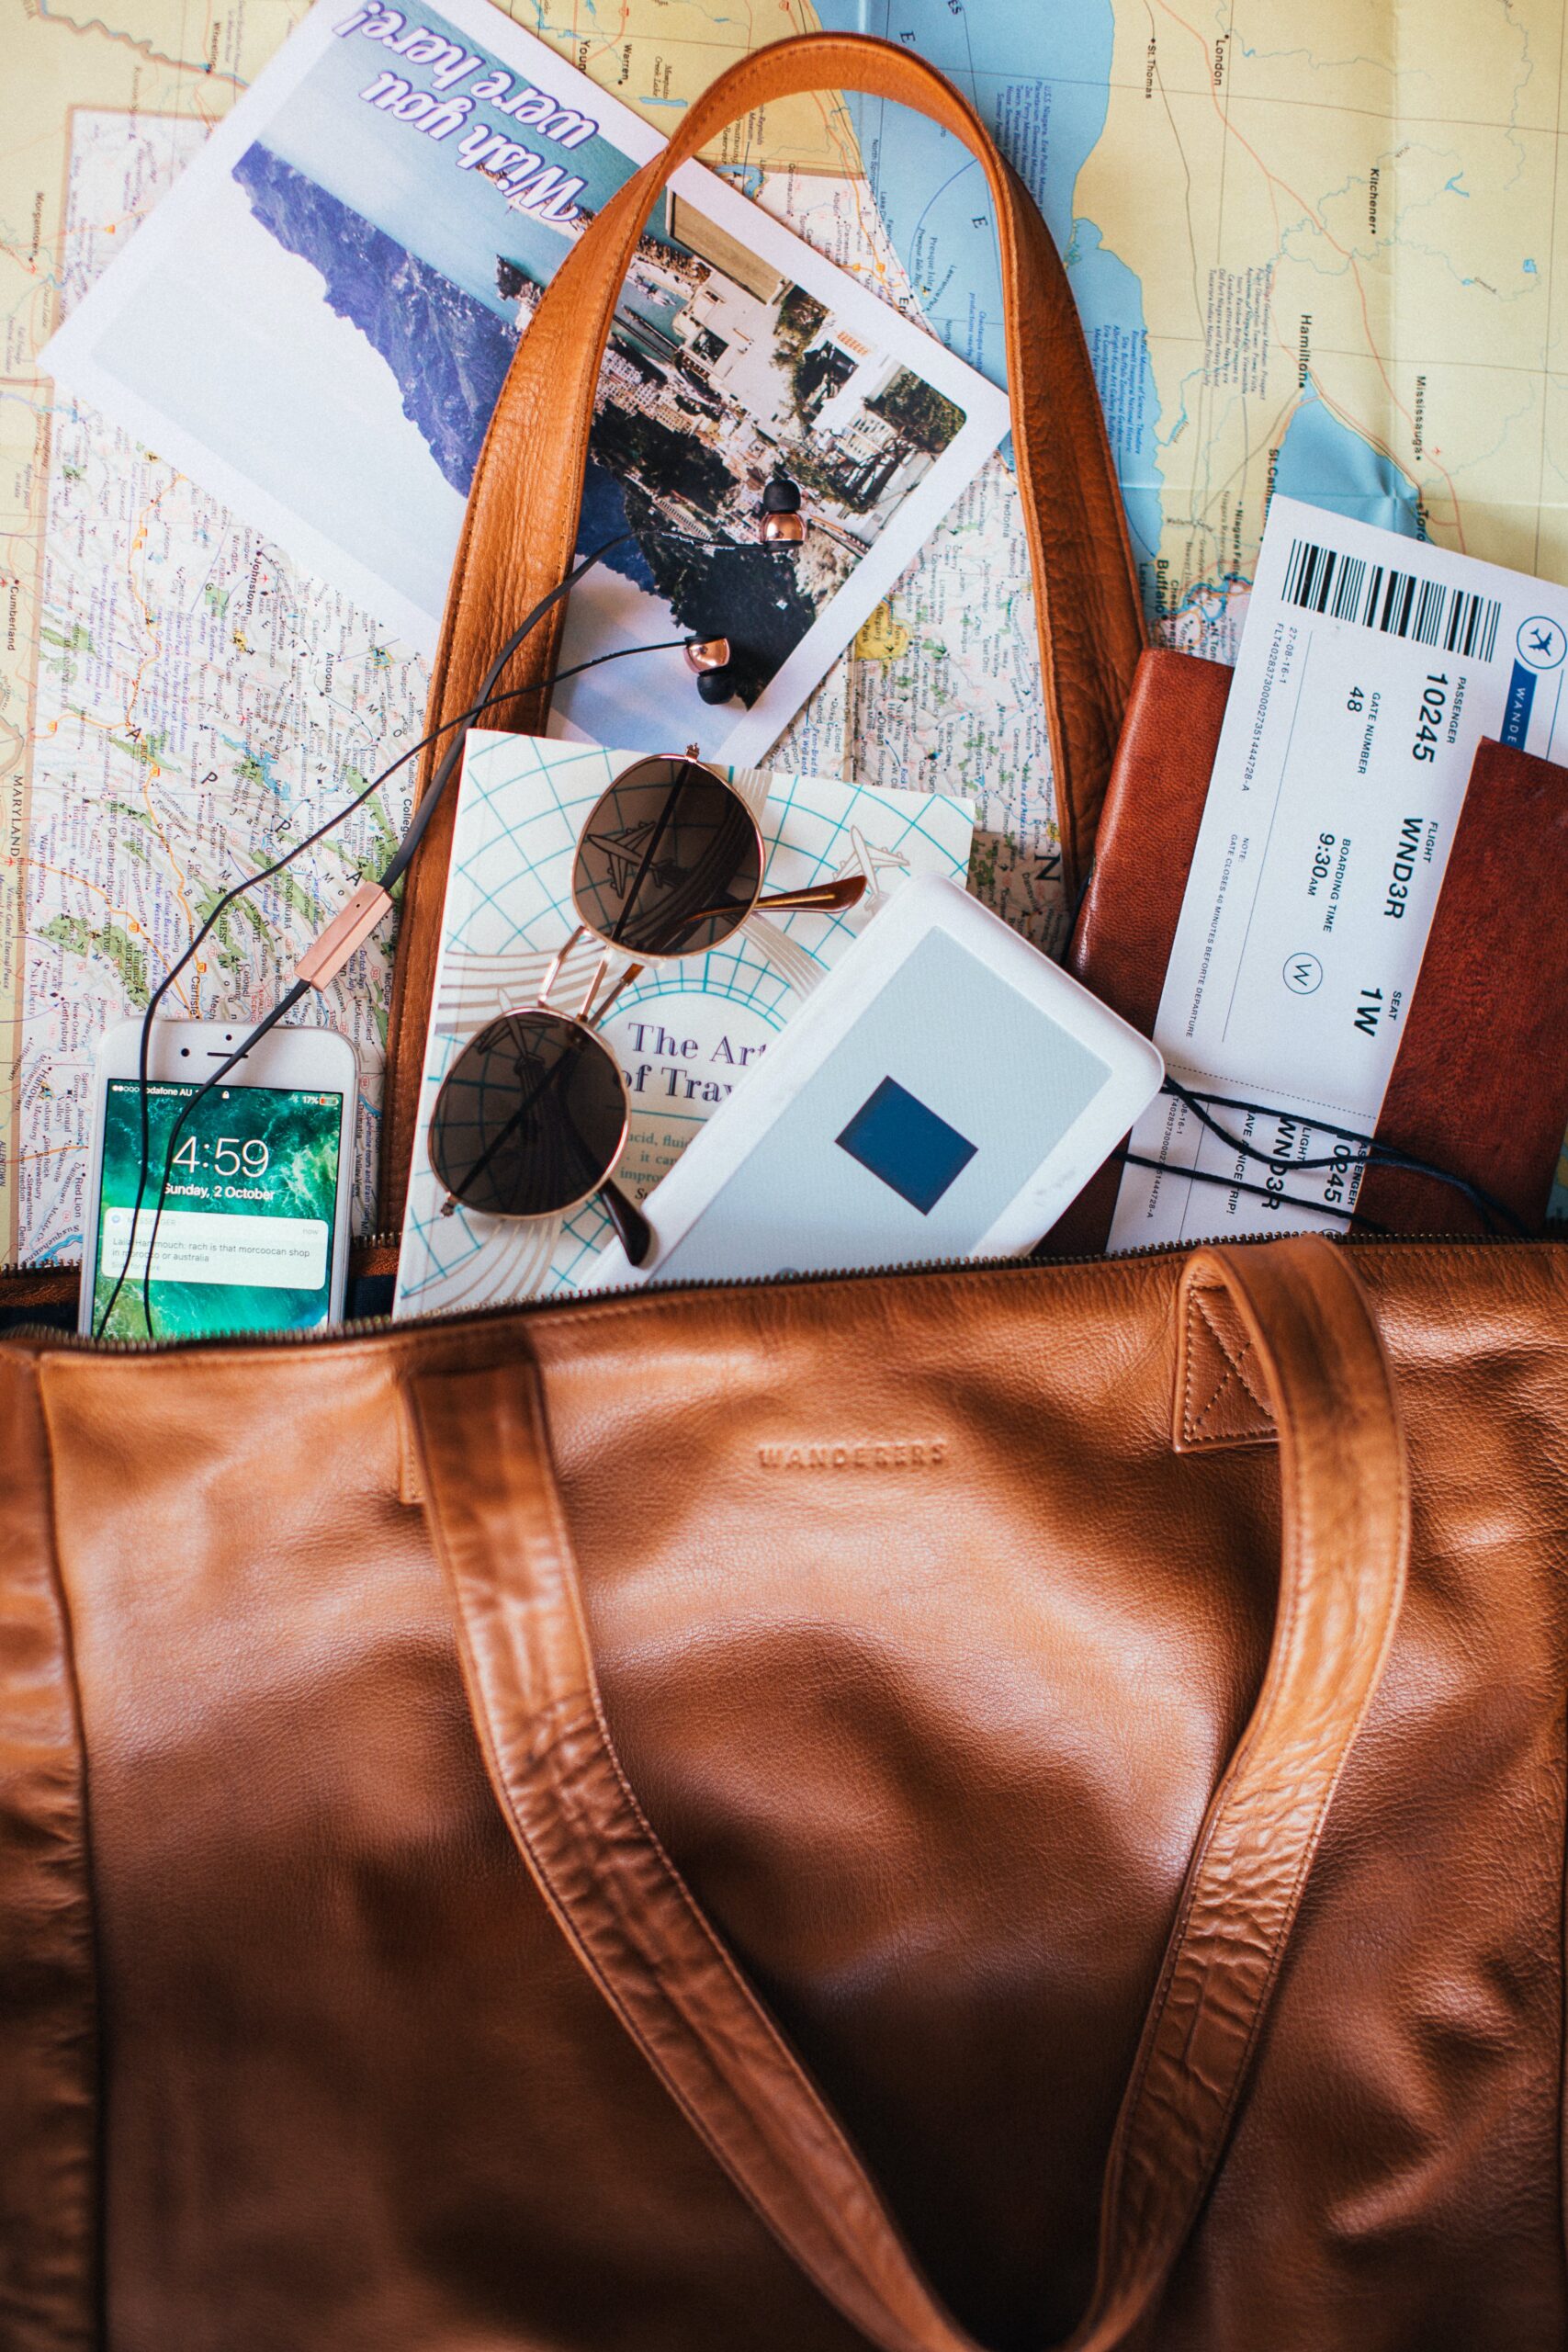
(496, 1520)
(521, 528)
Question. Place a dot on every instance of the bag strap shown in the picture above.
(496, 1518)
(521, 528)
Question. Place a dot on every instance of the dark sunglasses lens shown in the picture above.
(668, 864)
(530, 1118)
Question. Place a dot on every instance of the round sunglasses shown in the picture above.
(532, 1118)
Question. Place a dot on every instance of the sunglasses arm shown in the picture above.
(822, 898)
(632, 1228)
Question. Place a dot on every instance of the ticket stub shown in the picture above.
(1371, 668)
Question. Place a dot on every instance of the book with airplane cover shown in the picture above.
(686, 1031)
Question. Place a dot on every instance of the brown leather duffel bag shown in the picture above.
(358, 1992)
(973, 1807)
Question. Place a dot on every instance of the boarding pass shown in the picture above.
(1371, 668)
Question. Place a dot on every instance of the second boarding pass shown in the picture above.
(1371, 668)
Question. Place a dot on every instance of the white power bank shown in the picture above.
(946, 1092)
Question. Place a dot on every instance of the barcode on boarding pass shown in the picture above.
(1348, 588)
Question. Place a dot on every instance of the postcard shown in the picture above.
(686, 1032)
(316, 321)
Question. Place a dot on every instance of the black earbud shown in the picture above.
(783, 523)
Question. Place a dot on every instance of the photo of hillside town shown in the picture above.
(720, 375)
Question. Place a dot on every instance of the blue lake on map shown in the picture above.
(1040, 76)
(1327, 463)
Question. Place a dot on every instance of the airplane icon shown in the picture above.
(864, 858)
(1542, 642)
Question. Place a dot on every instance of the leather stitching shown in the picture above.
(1261, 1429)
(1236, 1363)
(1235, 1368)
(411, 1482)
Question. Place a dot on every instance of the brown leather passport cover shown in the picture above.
(1479, 1084)
(1148, 831)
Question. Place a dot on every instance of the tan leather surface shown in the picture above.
(521, 526)
(930, 1741)
(48, 1994)
(599, 1866)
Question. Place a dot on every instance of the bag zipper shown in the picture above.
(370, 1326)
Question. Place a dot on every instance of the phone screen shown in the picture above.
(246, 1240)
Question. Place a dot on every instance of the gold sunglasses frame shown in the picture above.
(822, 898)
(826, 897)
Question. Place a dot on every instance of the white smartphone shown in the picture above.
(944, 1093)
(253, 1234)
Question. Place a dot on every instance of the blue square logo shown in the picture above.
(907, 1148)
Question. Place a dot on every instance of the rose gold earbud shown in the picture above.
(709, 657)
(705, 653)
(783, 523)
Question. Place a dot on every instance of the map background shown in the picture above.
(1319, 252)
